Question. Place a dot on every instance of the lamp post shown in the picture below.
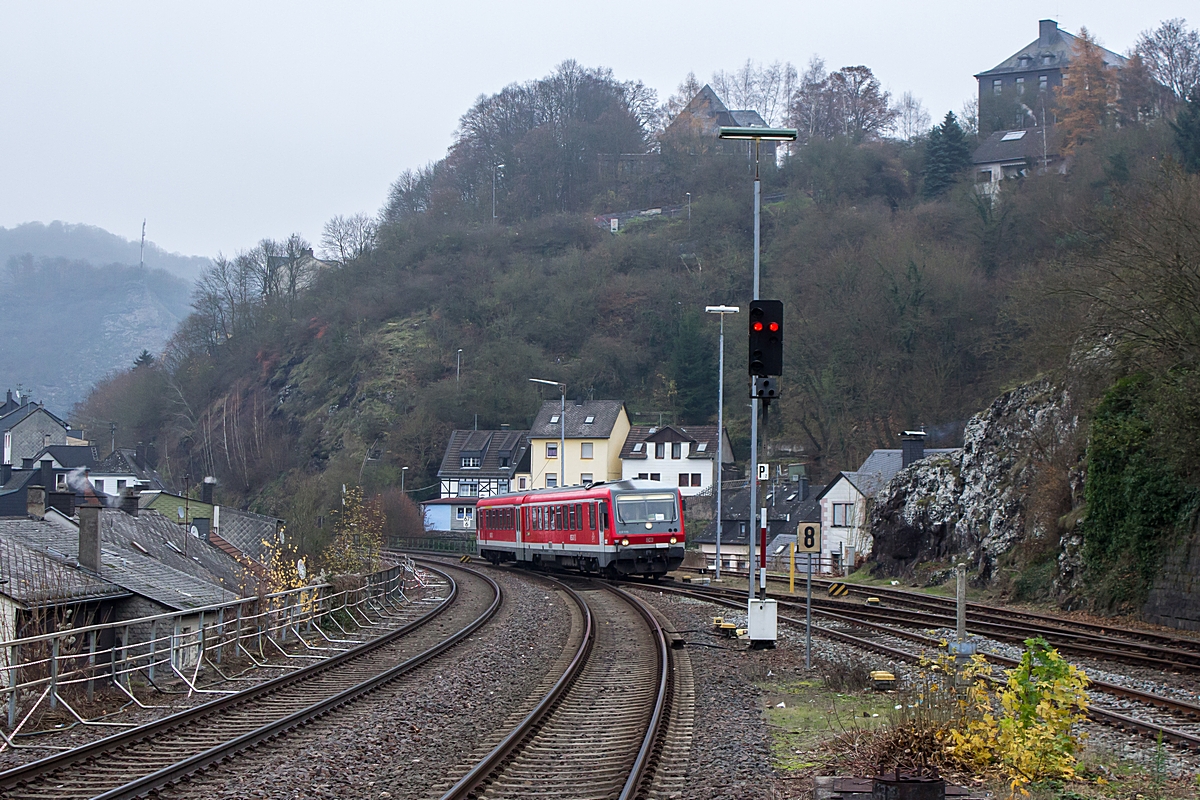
(722, 311)
(758, 134)
(562, 436)
(458, 366)
(403, 472)
(495, 167)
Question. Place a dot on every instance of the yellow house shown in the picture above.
(595, 432)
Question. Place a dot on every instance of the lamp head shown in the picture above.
(722, 309)
(758, 132)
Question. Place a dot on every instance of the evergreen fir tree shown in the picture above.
(947, 154)
(1187, 132)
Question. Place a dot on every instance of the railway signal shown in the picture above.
(766, 337)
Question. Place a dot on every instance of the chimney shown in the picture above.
(802, 487)
(202, 527)
(5, 474)
(47, 476)
(912, 447)
(63, 501)
(151, 456)
(206, 490)
(1047, 30)
(89, 538)
(8, 400)
(141, 455)
(35, 501)
(129, 500)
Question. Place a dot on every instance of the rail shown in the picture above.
(56, 667)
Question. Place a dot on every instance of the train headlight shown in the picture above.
(674, 540)
(625, 542)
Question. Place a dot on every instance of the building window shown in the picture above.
(120, 486)
(589, 419)
(1020, 86)
(471, 462)
(585, 478)
(1043, 82)
(503, 461)
(554, 419)
(655, 476)
(843, 515)
(695, 479)
(1047, 59)
(637, 448)
(463, 513)
(551, 481)
(685, 479)
(552, 450)
(501, 487)
(660, 450)
(100, 486)
(643, 476)
(585, 450)
(521, 483)
(676, 449)
(60, 483)
(468, 489)
(997, 86)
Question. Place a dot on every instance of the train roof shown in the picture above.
(598, 489)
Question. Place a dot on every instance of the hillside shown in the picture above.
(94, 245)
(906, 305)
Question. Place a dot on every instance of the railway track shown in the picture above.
(160, 753)
(600, 731)
(1112, 643)
(1174, 720)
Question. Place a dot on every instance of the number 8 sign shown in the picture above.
(808, 538)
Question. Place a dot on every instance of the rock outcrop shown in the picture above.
(973, 502)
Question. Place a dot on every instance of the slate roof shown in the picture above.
(785, 510)
(489, 447)
(71, 456)
(125, 461)
(166, 565)
(246, 530)
(24, 412)
(641, 434)
(879, 468)
(31, 577)
(604, 412)
(1023, 145)
(10, 404)
(1059, 44)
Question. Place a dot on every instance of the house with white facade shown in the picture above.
(485, 463)
(844, 501)
(685, 457)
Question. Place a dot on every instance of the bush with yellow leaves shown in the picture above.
(355, 548)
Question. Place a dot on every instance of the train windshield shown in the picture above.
(646, 508)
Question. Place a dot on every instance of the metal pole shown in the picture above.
(962, 602)
(792, 570)
(458, 366)
(562, 438)
(754, 400)
(808, 618)
(720, 422)
(493, 194)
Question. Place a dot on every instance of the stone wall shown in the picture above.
(1174, 598)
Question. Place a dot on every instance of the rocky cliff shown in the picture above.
(975, 503)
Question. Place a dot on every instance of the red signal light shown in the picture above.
(758, 326)
(774, 327)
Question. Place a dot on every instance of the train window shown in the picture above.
(574, 521)
(592, 516)
(646, 508)
(578, 517)
(559, 513)
(604, 515)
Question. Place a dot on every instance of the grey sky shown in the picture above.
(226, 122)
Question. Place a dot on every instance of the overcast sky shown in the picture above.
(223, 123)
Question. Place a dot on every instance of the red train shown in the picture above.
(623, 528)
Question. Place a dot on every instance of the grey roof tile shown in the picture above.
(604, 414)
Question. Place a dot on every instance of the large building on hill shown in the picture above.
(1019, 91)
(695, 127)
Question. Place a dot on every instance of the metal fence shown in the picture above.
(55, 668)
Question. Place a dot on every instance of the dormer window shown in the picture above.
(701, 447)
(1025, 61)
(637, 448)
(554, 419)
(471, 462)
(503, 461)
(1047, 59)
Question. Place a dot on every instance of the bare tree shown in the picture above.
(689, 88)
(345, 239)
(1172, 54)
(912, 120)
(767, 89)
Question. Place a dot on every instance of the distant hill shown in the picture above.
(67, 323)
(93, 245)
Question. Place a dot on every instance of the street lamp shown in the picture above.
(458, 366)
(494, 168)
(758, 134)
(722, 310)
(403, 472)
(562, 421)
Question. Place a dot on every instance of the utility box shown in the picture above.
(763, 622)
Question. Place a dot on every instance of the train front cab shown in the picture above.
(648, 531)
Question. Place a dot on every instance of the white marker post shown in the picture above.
(808, 541)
